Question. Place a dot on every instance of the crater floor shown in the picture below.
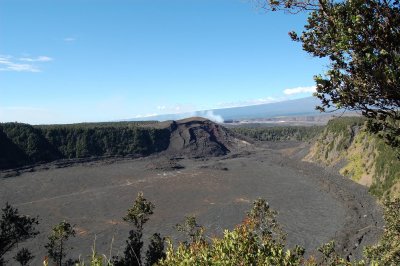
(314, 205)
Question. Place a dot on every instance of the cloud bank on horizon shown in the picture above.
(48, 115)
(299, 90)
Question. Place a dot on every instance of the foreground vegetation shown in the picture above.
(259, 240)
(23, 144)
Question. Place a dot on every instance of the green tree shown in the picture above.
(191, 229)
(140, 212)
(155, 252)
(361, 39)
(265, 220)
(14, 229)
(24, 256)
(136, 216)
(56, 248)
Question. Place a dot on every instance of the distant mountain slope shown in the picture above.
(304, 106)
(298, 107)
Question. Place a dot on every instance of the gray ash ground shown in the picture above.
(314, 205)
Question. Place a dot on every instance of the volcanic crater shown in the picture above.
(206, 171)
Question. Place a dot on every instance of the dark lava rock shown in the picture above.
(198, 137)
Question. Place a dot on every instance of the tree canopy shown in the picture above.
(56, 247)
(15, 229)
(361, 39)
(137, 216)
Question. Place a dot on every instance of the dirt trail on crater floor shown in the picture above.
(314, 205)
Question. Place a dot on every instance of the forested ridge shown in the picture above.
(279, 133)
(23, 144)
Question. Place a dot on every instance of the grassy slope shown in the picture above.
(361, 156)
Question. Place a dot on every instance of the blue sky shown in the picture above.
(70, 61)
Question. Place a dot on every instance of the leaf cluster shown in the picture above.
(140, 212)
(14, 229)
(23, 256)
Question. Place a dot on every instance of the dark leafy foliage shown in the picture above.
(24, 256)
(14, 229)
(137, 216)
(10, 154)
(361, 39)
(25, 144)
(155, 251)
(133, 250)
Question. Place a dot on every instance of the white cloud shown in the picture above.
(249, 102)
(8, 63)
(175, 109)
(69, 39)
(37, 59)
(298, 90)
(146, 115)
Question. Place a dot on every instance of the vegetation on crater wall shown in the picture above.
(280, 133)
(360, 155)
(24, 144)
